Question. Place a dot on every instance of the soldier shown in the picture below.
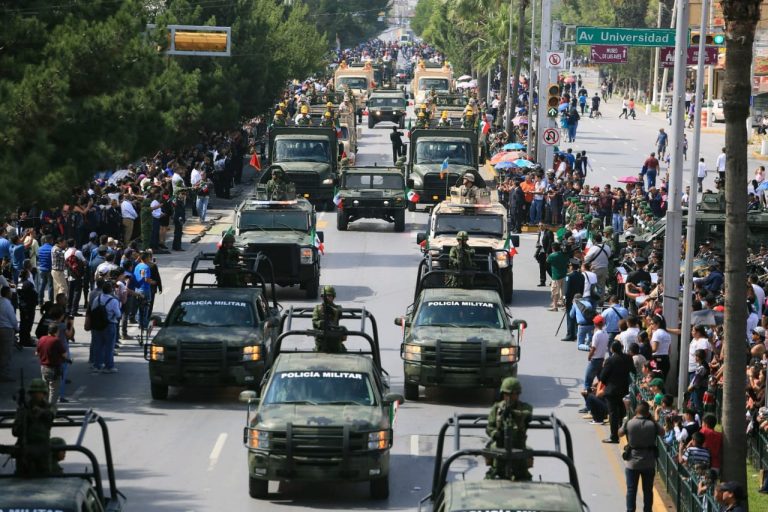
(57, 455)
(445, 121)
(432, 93)
(460, 258)
(329, 107)
(468, 120)
(279, 119)
(421, 121)
(423, 108)
(32, 428)
(227, 263)
(277, 186)
(468, 190)
(304, 119)
(325, 318)
(508, 429)
(327, 119)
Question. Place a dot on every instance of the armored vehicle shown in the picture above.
(215, 336)
(457, 333)
(428, 76)
(486, 224)
(322, 417)
(70, 489)
(371, 193)
(487, 495)
(284, 232)
(428, 151)
(387, 105)
(309, 156)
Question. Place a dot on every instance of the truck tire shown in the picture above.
(411, 391)
(258, 489)
(371, 122)
(411, 206)
(401, 124)
(159, 391)
(380, 488)
(507, 281)
(312, 288)
(342, 220)
(399, 221)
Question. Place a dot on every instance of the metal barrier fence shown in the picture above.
(757, 450)
(681, 484)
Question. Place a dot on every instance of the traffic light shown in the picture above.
(553, 99)
(710, 39)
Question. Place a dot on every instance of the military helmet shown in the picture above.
(462, 235)
(444, 115)
(229, 238)
(278, 171)
(37, 386)
(57, 442)
(281, 105)
(511, 385)
(279, 113)
(470, 111)
(421, 114)
(304, 109)
(327, 114)
(329, 291)
(469, 176)
(329, 104)
(608, 229)
(423, 106)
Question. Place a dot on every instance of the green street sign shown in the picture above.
(649, 37)
(552, 112)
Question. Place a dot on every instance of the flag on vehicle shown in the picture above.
(320, 246)
(412, 196)
(510, 247)
(255, 161)
(444, 168)
(230, 231)
(409, 128)
(337, 125)
(337, 199)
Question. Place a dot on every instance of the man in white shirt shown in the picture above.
(177, 179)
(598, 258)
(701, 173)
(720, 165)
(598, 348)
(129, 215)
(590, 280)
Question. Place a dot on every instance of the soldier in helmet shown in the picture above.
(468, 190)
(421, 120)
(329, 108)
(279, 118)
(468, 120)
(325, 318)
(58, 454)
(445, 121)
(327, 119)
(32, 428)
(227, 263)
(460, 258)
(278, 185)
(508, 429)
(303, 118)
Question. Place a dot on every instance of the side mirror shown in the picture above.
(517, 323)
(420, 237)
(394, 398)
(321, 236)
(408, 182)
(249, 397)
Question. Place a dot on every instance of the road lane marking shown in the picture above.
(322, 224)
(415, 445)
(213, 458)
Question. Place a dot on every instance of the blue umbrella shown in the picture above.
(505, 165)
(562, 107)
(523, 163)
(513, 146)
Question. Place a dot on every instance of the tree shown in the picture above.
(741, 17)
(518, 62)
(353, 21)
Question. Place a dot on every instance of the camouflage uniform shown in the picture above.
(469, 122)
(279, 121)
(460, 258)
(444, 122)
(277, 188)
(508, 422)
(227, 263)
(32, 428)
(326, 121)
(304, 120)
(325, 317)
(468, 194)
(422, 122)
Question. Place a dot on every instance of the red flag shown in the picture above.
(255, 162)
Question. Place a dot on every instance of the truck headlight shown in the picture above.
(328, 181)
(412, 353)
(502, 259)
(435, 253)
(378, 440)
(307, 256)
(509, 354)
(156, 353)
(386, 203)
(252, 353)
(258, 439)
(378, 112)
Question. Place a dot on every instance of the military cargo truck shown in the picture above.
(358, 78)
(428, 76)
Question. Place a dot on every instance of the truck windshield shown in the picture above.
(373, 181)
(273, 219)
(354, 82)
(302, 150)
(320, 387)
(386, 102)
(456, 313)
(211, 313)
(440, 84)
(436, 151)
(449, 224)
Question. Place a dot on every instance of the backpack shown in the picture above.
(587, 311)
(99, 317)
(75, 266)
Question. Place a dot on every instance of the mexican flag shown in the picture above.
(412, 196)
(337, 199)
(510, 247)
(320, 246)
(337, 125)
(230, 231)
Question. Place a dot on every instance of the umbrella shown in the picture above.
(562, 107)
(513, 146)
(464, 77)
(464, 85)
(505, 165)
(520, 120)
(472, 83)
(509, 156)
(523, 163)
(628, 179)
(498, 157)
(569, 80)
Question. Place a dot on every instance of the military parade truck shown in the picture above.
(71, 489)
(453, 104)
(428, 76)
(310, 158)
(215, 336)
(322, 417)
(387, 105)
(427, 152)
(457, 333)
(284, 232)
(486, 224)
(371, 193)
(462, 495)
(359, 78)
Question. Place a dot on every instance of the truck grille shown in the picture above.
(460, 354)
(285, 258)
(304, 181)
(434, 186)
(316, 441)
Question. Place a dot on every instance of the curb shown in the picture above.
(758, 156)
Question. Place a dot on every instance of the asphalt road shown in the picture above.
(187, 453)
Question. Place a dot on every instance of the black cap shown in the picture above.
(733, 487)
(641, 260)
(575, 261)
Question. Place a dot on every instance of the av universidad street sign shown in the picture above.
(649, 37)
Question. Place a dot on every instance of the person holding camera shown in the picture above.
(640, 455)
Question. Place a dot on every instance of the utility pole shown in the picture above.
(531, 83)
(711, 75)
(674, 190)
(542, 121)
(508, 88)
(665, 73)
(657, 53)
(690, 238)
